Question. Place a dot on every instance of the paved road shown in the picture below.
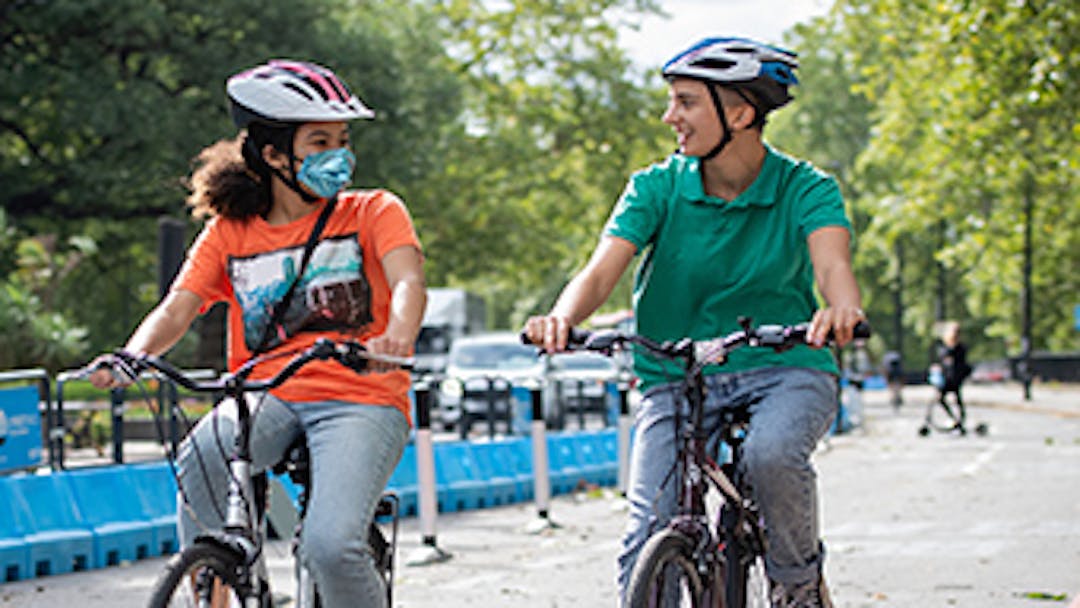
(910, 522)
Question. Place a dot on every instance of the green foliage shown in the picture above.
(32, 332)
(553, 125)
(947, 117)
(965, 153)
(105, 101)
(511, 127)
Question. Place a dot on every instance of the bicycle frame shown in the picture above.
(738, 539)
(737, 520)
(243, 530)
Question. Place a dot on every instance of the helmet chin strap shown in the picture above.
(293, 184)
(725, 139)
(291, 181)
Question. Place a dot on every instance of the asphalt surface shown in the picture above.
(909, 521)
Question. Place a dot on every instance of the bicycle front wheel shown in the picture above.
(203, 575)
(747, 583)
(666, 575)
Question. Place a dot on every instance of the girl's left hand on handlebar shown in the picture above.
(840, 320)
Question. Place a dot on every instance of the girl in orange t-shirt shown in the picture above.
(263, 193)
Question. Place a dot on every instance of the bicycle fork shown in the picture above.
(243, 528)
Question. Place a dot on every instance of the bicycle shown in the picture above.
(701, 559)
(227, 567)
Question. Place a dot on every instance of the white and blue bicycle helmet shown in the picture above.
(742, 65)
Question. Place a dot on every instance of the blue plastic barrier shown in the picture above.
(60, 540)
(109, 504)
(404, 483)
(155, 491)
(457, 478)
(491, 458)
(512, 459)
(520, 455)
(593, 454)
(14, 550)
(566, 468)
(48, 522)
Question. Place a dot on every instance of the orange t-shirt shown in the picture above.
(249, 264)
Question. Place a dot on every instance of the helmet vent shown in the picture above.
(712, 63)
(293, 87)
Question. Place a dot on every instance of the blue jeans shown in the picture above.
(354, 449)
(797, 407)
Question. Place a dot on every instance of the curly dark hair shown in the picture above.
(231, 179)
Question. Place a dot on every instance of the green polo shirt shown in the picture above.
(708, 261)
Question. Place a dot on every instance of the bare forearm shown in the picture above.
(166, 324)
(581, 297)
(591, 287)
(408, 297)
(407, 303)
(838, 286)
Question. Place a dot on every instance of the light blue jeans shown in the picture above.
(354, 449)
(795, 411)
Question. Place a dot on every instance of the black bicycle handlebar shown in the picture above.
(349, 353)
(715, 350)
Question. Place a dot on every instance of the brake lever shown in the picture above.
(123, 369)
(349, 355)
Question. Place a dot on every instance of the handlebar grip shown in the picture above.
(862, 330)
(576, 338)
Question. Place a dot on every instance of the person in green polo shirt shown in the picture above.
(729, 227)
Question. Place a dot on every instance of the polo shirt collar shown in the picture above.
(761, 193)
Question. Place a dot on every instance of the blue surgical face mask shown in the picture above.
(327, 172)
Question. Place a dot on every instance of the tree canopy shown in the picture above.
(510, 129)
(942, 119)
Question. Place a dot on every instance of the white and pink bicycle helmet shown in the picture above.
(285, 91)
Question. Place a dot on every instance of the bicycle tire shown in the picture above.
(747, 584)
(196, 572)
(665, 575)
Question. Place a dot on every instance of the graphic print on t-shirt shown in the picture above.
(332, 295)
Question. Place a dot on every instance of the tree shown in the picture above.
(32, 333)
(105, 101)
(555, 120)
(974, 102)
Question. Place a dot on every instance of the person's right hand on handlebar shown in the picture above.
(549, 332)
(105, 375)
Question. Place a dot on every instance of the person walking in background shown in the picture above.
(952, 358)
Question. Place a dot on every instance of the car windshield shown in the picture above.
(581, 362)
(495, 356)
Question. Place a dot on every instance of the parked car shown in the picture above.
(990, 371)
(579, 382)
(475, 363)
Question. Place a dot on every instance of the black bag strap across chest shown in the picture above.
(278, 314)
